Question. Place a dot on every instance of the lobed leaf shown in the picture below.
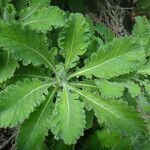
(34, 6)
(74, 39)
(145, 70)
(119, 57)
(7, 11)
(133, 88)
(105, 32)
(32, 72)
(68, 120)
(102, 139)
(110, 89)
(87, 84)
(141, 31)
(141, 28)
(37, 125)
(116, 114)
(25, 45)
(46, 18)
(19, 100)
(116, 89)
(8, 66)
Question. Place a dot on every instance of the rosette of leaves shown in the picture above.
(51, 87)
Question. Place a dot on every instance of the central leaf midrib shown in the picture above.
(35, 51)
(35, 21)
(97, 103)
(29, 137)
(100, 64)
(71, 49)
(28, 15)
(68, 107)
(20, 100)
(33, 76)
(84, 85)
(100, 106)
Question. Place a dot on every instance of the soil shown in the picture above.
(7, 137)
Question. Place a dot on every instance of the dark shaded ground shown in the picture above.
(7, 137)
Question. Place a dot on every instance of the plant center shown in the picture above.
(61, 74)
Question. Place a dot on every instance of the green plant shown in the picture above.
(49, 86)
(143, 5)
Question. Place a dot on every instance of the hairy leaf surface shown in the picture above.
(8, 66)
(110, 89)
(37, 125)
(141, 28)
(46, 18)
(34, 6)
(133, 88)
(19, 100)
(116, 89)
(25, 45)
(74, 39)
(119, 57)
(32, 72)
(102, 139)
(116, 114)
(145, 70)
(141, 31)
(68, 120)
